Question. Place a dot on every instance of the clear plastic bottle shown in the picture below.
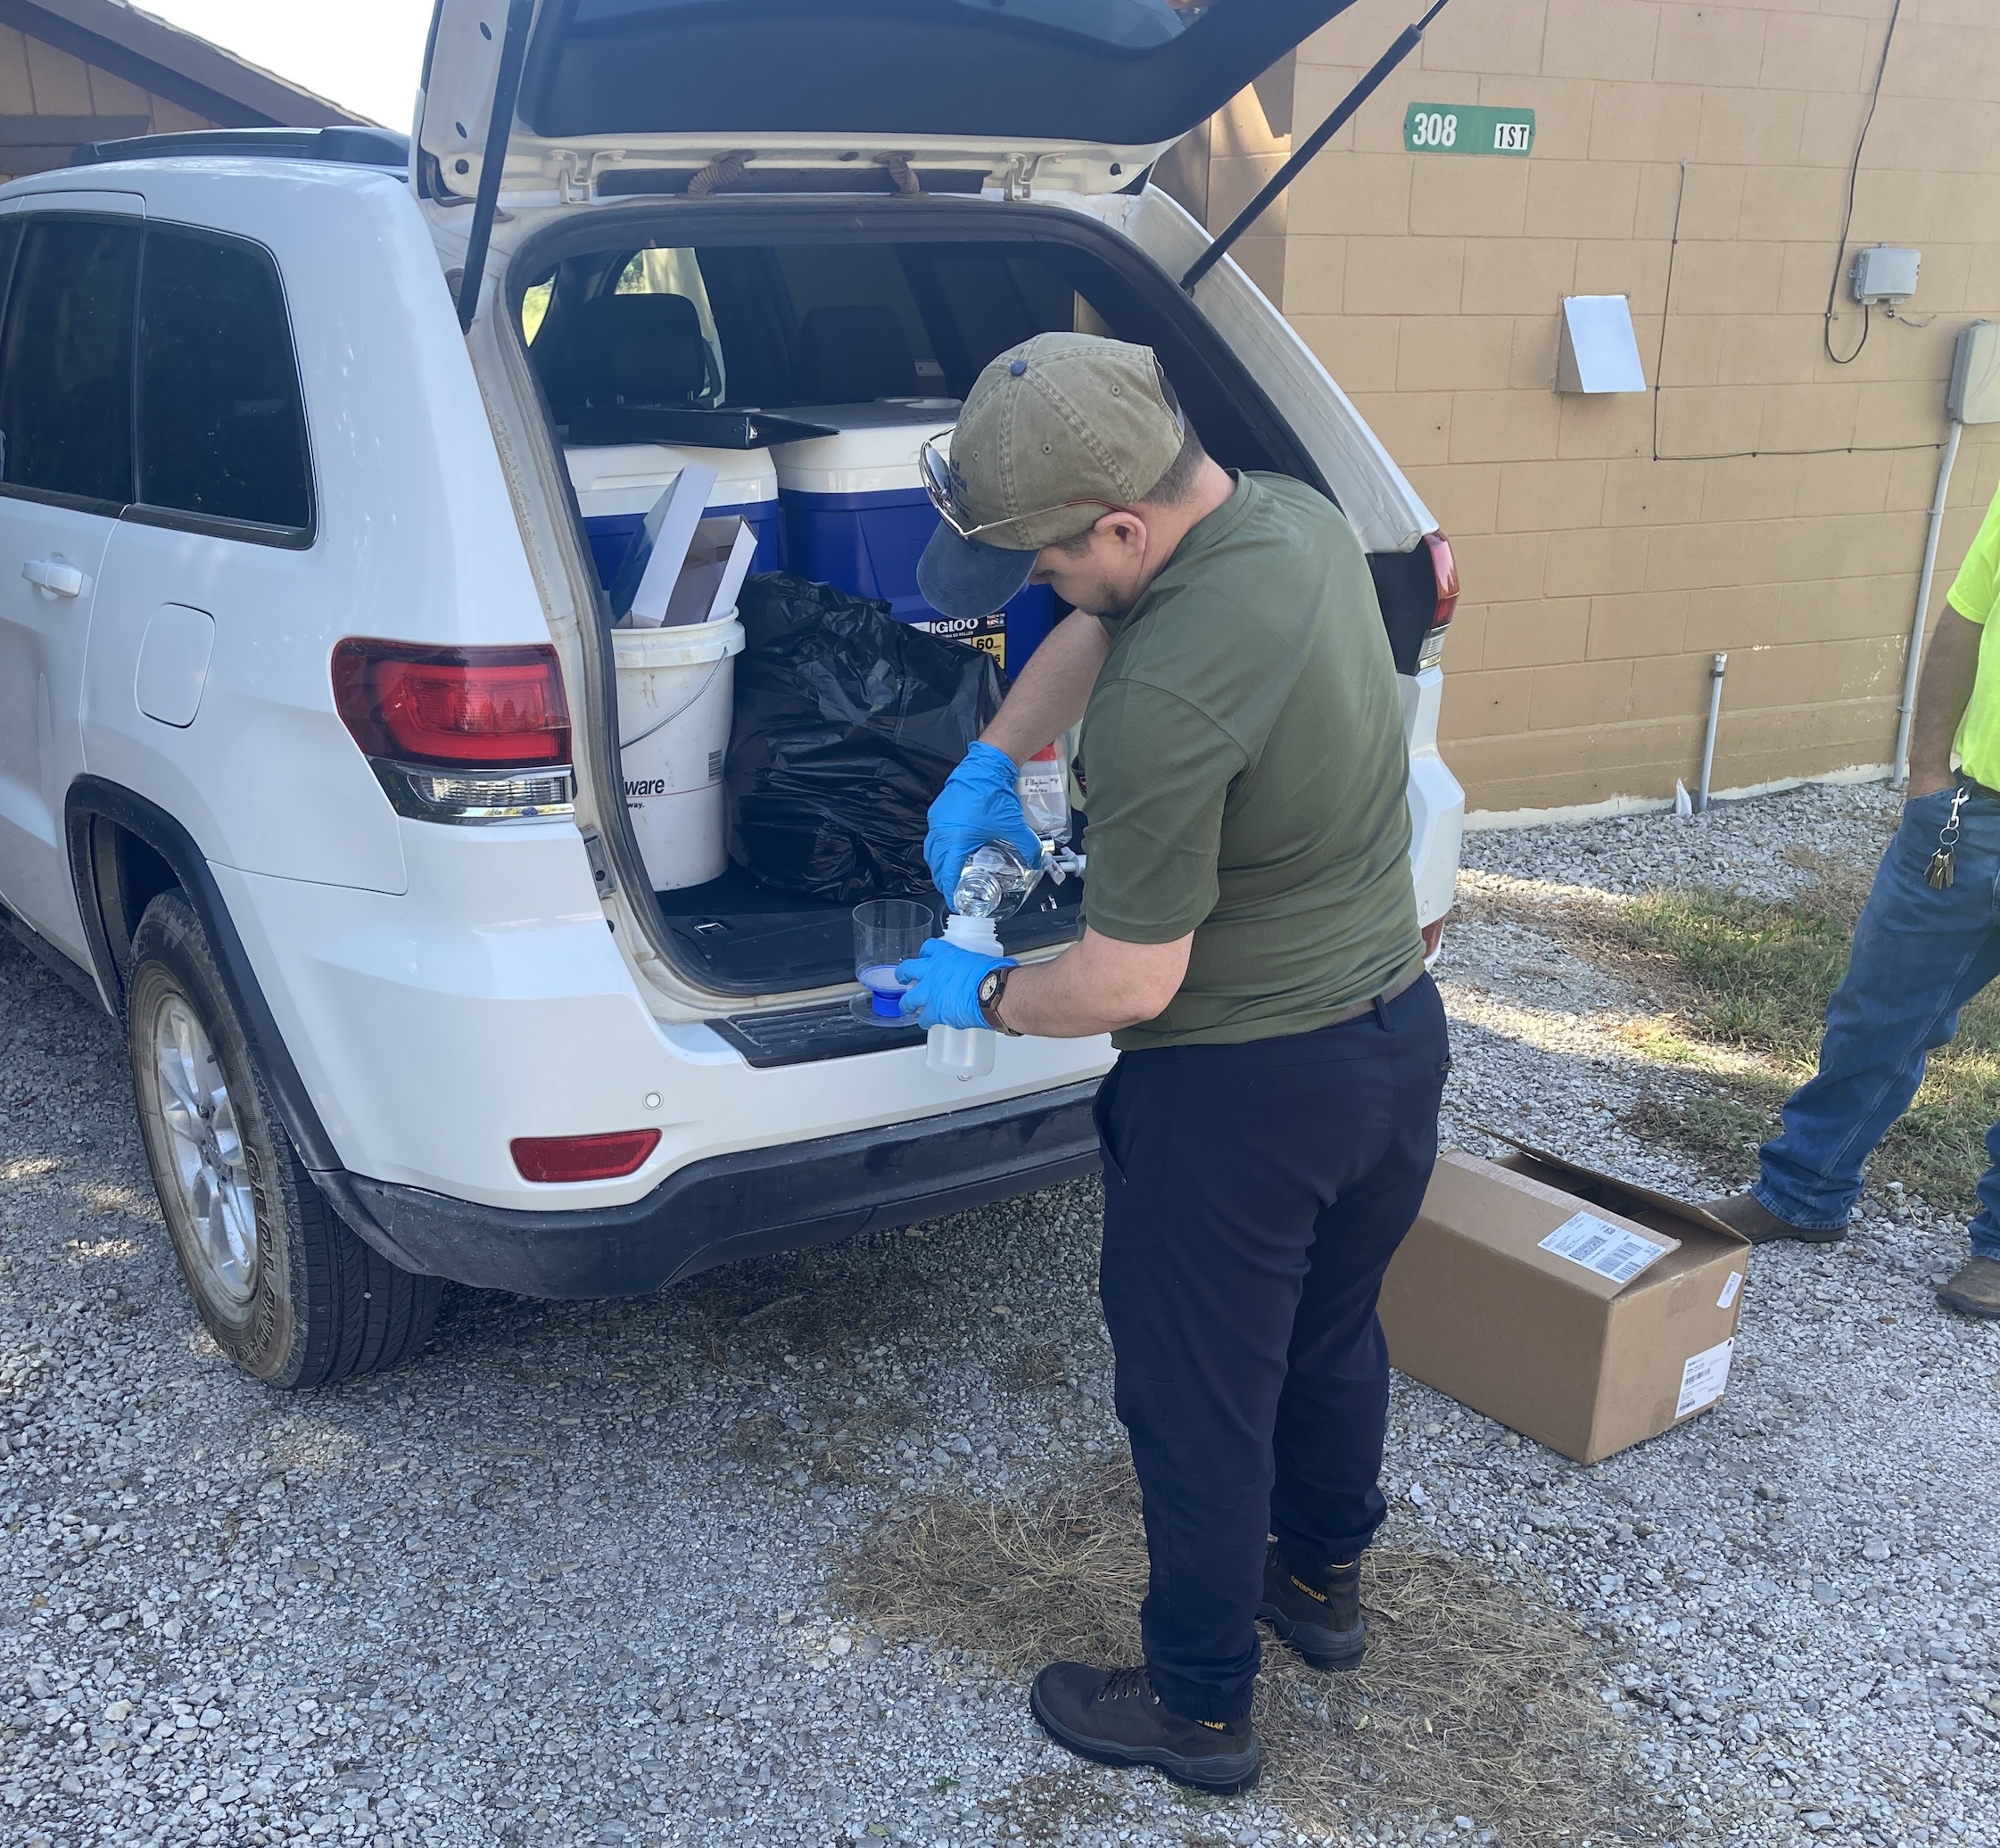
(994, 883)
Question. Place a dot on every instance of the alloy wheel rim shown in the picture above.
(205, 1151)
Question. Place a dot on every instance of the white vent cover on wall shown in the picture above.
(1600, 351)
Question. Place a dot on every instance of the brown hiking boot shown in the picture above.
(1320, 1618)
(1975, 1291)
(1113, 1716)
(1746, 1214)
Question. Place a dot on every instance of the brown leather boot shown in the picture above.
(1320, 1617)
(1975, 1291)
(1747, 1214)
(1113, 1716)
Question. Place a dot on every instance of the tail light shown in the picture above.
(1444, 569)
(608, 1157)
(459, 734)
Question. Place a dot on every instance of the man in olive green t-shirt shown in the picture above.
(1251, 943)
(1927, 942)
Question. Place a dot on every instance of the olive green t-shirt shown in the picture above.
(1246, 771)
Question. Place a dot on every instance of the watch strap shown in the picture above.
(989, 1010)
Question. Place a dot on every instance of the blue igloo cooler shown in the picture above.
(857, 517)
(617, 485)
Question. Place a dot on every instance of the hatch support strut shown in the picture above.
(1344, 110)
(499, 131)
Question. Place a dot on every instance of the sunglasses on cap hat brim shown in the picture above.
(945, 488)
(941, 482)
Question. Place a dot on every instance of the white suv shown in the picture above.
(309, 755)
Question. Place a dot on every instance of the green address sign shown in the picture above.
(1466, 128)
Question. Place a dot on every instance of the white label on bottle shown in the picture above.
(1703, 1379)
(1598, 1245)
(1729, 1290)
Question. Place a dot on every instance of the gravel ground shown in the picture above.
(563, 1580)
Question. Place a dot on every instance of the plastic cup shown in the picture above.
(888, 931)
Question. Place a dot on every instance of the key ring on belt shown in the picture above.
(1944, 863)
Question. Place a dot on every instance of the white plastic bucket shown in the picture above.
(676, 688)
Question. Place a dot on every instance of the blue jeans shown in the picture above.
(1918, 956)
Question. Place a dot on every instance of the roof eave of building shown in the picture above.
(200, 76)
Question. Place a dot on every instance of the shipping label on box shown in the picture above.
(1582, 1311)
(1605, 1249)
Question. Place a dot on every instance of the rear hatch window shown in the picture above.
(1119, 72)
(955, 84)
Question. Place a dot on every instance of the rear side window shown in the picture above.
(66, 361)
(221, 433)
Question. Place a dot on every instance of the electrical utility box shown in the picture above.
(1974, 394)
(1882, 273)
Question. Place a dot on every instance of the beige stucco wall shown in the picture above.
(1762, 500)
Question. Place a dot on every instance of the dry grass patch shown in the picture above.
(1474, 1700)
(1723, 1131)
(1755, 977)
(1735, 991)
(1038, 1367)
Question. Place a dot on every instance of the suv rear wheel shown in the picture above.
(289, 1292)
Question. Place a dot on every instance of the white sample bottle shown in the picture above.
(965, 1053)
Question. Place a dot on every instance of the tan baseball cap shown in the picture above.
(1056, 433)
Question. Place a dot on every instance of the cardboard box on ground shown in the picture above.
(1581, 1311)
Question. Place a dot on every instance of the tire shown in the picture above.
(290, 1295)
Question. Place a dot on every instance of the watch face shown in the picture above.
(990, 986)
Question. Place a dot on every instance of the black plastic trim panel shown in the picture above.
(91, 797)
(1406, 587)
(827, 1030)
(344, 146)
(286, 539)
(735, 1206)
(649, 182)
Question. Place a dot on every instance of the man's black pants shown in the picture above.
(1254, 1196)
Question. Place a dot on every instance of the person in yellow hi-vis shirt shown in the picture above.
(1928, 940)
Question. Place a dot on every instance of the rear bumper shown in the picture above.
(734, 1206)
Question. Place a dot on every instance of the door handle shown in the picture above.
(54, 575)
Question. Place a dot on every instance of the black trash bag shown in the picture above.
(847, 724)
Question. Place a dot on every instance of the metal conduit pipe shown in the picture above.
(1715, 672)
(1905, 710)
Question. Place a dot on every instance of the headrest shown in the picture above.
(639, 349)
(851, 355)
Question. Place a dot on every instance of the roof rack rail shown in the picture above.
(343, 147)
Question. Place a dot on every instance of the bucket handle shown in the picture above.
(626, 744)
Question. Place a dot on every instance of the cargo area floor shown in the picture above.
(737, 937)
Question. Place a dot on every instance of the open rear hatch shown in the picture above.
(732, 97)
(1075, 94)
(912, 298)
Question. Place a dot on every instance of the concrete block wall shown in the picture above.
(1761, 498)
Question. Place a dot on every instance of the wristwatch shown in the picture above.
(992, 984)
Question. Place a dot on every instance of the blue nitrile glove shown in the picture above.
(944, 981)
(979, 803)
